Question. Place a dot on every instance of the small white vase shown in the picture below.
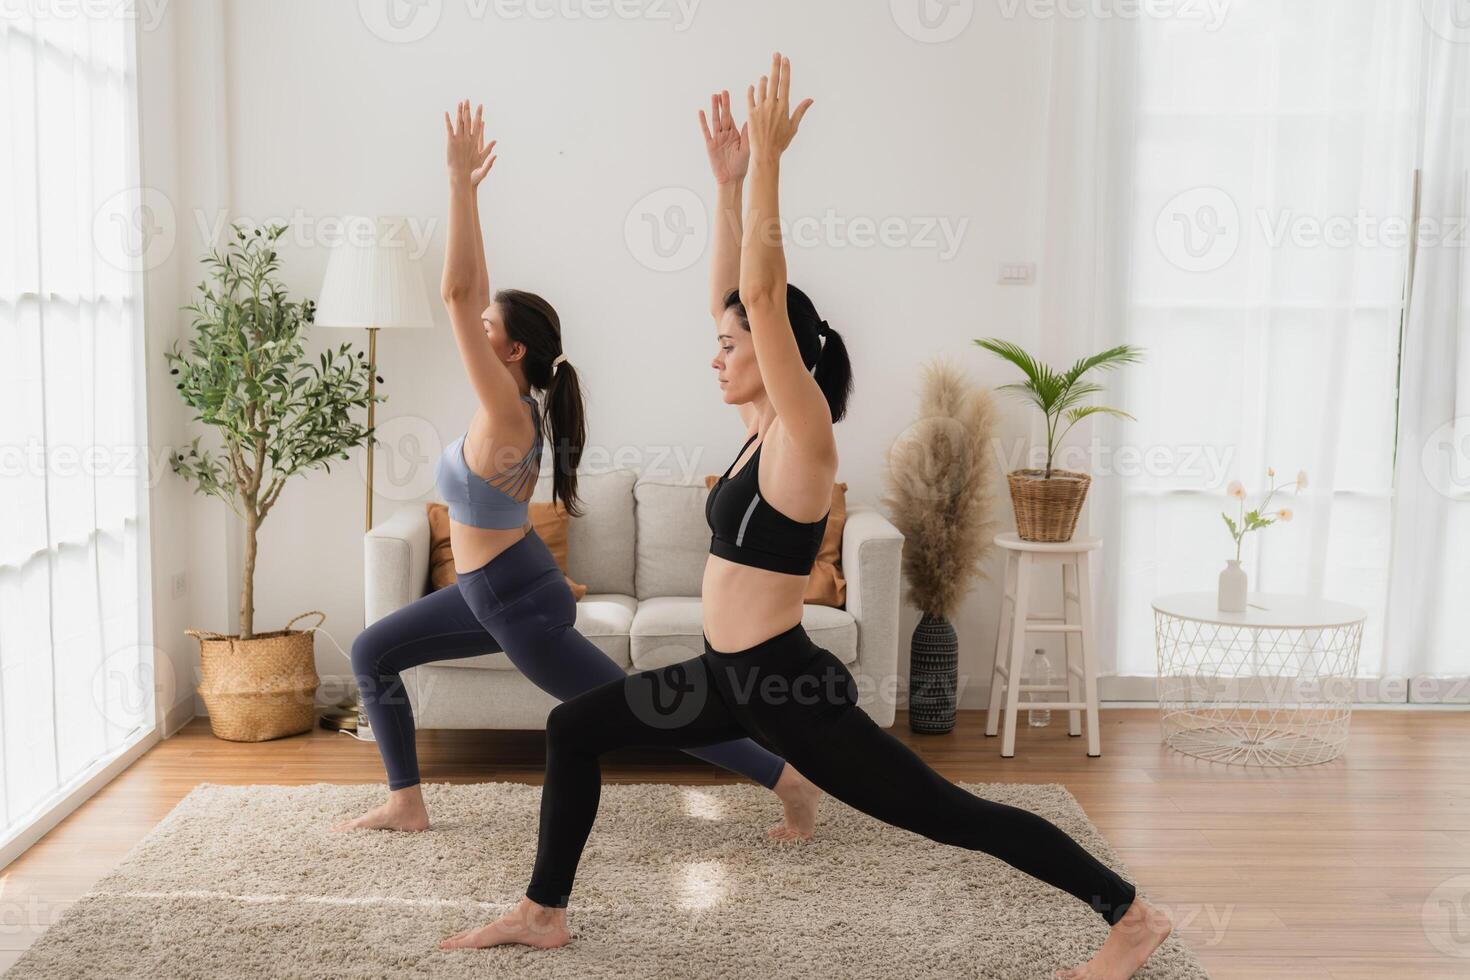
(1232, 587)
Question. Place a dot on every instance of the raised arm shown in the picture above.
(793, 392)
(729, 158)
(482, 268)
(465, 286)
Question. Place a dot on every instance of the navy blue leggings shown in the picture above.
(518, 603)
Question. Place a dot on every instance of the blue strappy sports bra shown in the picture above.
(501, 501)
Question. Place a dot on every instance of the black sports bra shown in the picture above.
(749, 531)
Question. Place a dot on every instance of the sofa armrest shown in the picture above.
(872, 561)
(395, 562)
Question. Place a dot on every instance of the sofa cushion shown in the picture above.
(604, 618)
(673, 539)
(668, 629)
(600, 542)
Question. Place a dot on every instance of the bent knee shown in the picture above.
(562, 719)
(367, 654)
(568, 723)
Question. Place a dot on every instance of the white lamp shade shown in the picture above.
(373, 283)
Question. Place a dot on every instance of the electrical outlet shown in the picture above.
(1017, 273)
(180, 584)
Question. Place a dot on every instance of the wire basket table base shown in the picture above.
(1260, 691)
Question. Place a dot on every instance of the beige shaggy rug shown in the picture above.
(678, 881)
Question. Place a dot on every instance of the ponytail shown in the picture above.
(834, 372)
(533, 322)
(564, 410)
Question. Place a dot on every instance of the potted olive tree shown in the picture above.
(276, 412)
(1048, 500)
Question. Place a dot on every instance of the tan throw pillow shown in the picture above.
(826, 586)
(441, 559)
(549, 521)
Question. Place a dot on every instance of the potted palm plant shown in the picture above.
(277, 412)
(1048, 500)
(938, 492)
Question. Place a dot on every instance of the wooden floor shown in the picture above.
(1316, 872)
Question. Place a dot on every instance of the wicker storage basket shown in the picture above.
(1047, 509)
(261, 688)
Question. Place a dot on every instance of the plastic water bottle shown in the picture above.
(1040, 674)
(364, 731)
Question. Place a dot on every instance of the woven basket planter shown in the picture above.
(261, 688)
(1047, 509)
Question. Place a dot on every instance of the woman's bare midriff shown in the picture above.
(745, 605)
(473, 547)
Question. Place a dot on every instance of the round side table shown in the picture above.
(1271, 686)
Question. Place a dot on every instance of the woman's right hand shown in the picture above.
(467, 154)
(728, 148)
(773, 123)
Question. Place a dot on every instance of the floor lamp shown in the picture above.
(372, 283)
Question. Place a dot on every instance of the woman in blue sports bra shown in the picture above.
(760, 673)
(511, 594)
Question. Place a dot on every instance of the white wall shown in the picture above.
(323, 118)
(182, 529)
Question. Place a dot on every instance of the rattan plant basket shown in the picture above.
(1047, 508)
(261, 688)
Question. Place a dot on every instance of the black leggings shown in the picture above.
(799, 700)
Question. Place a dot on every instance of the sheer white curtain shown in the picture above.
(1427, 637)
(1234, 197)
(74, 636)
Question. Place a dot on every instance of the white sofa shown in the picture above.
(640, 548)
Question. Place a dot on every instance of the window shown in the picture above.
(1272, 176)
(75, 653)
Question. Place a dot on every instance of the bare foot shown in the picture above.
(1131, 942)
(528, 924)
(799, 796)
(405, 810)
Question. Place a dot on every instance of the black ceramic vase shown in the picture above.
(933, 674)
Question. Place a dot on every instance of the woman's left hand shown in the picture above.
(772, 122)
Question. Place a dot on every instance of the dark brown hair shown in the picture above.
(532, 321)
(822, 349)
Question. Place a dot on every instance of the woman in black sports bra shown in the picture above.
(760, 674)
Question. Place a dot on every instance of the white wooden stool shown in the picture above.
(1016, 622)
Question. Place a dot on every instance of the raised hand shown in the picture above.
(728, 148)
(772, 124)
(467, 154)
